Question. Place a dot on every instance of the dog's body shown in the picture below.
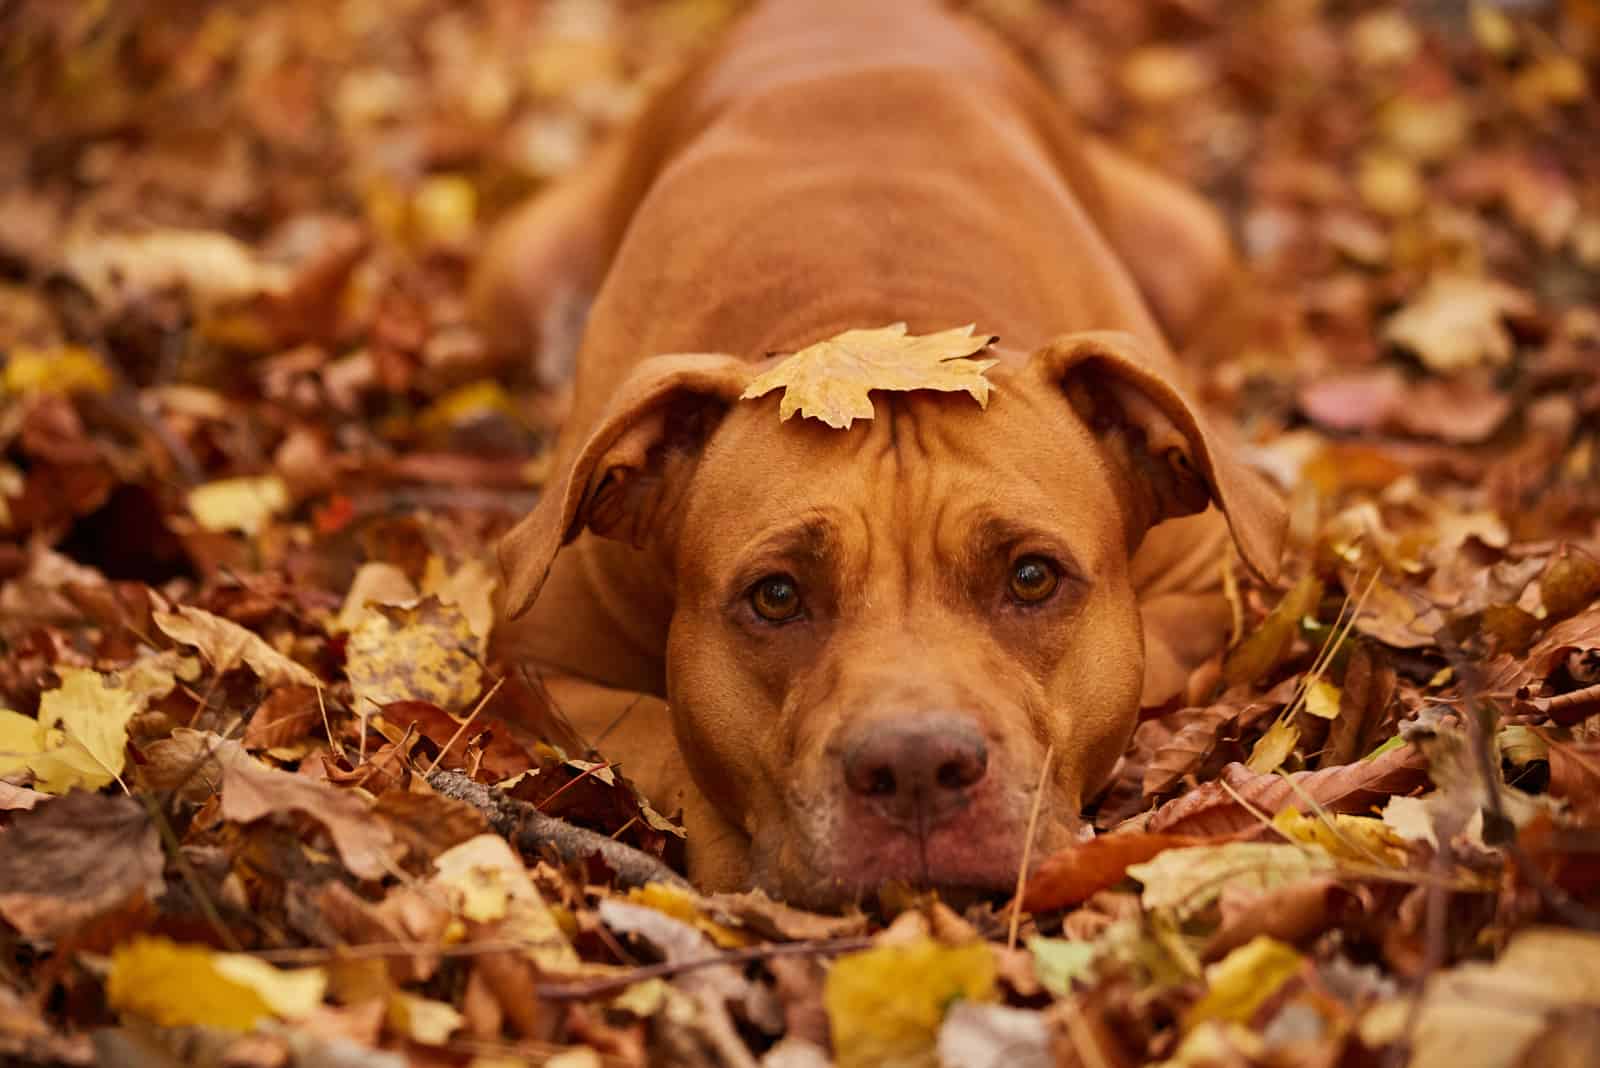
(835, 166)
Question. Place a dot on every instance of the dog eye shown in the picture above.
(1033, 579)
(776, 598)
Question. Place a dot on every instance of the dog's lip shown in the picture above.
(964, 870)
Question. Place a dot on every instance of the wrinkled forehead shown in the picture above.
(928, 462)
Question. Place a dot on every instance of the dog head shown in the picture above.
(879, 634)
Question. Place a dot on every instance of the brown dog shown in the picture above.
(868, 640)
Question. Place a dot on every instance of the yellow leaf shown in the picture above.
(93, 716)
(155, 676)
(1360, 839)
(225, 643)
(1265, 647)
(682, 905)
(188, 986)
(1322, 699)
(67, 369)
(422, 1019)
(375, 582)
(885, 1004)
(78, 740)
(1273, 747)
(475, 400)
(470, 588)
(1189, 880)
(485, 882)
(832, 379)
(1241, 982)
(424, 652)
(444, 210)
(243, 504)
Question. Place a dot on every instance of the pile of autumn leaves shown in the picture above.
(212, 835)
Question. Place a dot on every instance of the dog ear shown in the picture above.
(619, 485)
(1116, 383)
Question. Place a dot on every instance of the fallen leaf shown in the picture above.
(251, 790)
(422, 1020)
(176, 985)
(67, 369)
(225, 645)
(1083, 869)
(1266, 646)
(67, 862)
(242, 504)
(427, 652)
(213, 267)
(1060, 962)
(1358, 839)
(1457, 322)
(1293, 912)
(1242, 981)
(1486, 1015)
(886, 1004)
(485, 882)
(80, 737)
(1214, 808)
(832, 380)
(1190, 880)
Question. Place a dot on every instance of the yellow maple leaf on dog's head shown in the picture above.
(832, 379)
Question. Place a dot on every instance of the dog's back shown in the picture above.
(836, 165)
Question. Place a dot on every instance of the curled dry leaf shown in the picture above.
(833, 379)
(225, 645)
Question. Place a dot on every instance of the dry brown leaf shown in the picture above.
(289, 714)
(251, 790)
(833, 379)
(1212, 810)
(225, 644)
(79, 856)
(1187, 749)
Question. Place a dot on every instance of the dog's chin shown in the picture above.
(960, 869)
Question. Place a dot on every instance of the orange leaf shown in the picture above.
(1080, 871)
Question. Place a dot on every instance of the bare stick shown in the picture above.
(1027, 848)
(530, 830)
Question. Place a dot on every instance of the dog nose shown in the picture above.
(905, 765)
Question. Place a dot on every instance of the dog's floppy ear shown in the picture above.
(1116, 384)
(618, 486)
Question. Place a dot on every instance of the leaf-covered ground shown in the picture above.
(252, 456)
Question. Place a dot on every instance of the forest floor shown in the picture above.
(253, 456)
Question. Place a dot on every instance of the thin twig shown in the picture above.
(595, 988)
(462, 729)
(1027, 847)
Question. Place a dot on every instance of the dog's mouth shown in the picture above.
(856, 868)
